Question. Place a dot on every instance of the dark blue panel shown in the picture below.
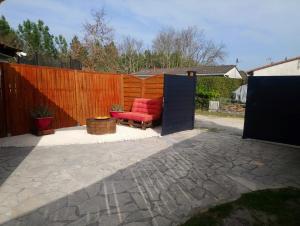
(179, 103)
(273, 109)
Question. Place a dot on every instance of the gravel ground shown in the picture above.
(78, 135)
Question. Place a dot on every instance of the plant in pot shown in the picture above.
(115, 110)
(42, 119)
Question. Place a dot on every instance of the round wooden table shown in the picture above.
(100, 126)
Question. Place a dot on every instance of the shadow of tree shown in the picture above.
(167, 187)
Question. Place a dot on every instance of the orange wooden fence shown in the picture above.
(151, 87)
(72, 95)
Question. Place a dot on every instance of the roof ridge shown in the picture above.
(274, 63)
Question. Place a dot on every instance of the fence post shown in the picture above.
(5, 92)
(3, 122)
(143, 88)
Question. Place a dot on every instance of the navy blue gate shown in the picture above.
(273, 109)
(179, 103)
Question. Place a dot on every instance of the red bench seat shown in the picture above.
(143, 110)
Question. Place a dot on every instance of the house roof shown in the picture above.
(244, 76)
(273, 64)
(200, 70)
(8, 50)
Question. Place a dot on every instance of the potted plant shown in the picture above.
(115, 110)
(42, 119)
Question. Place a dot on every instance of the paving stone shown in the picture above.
(93, 190)
(171, 176)
(122, 199)
(94, 205)
(138, 216)
(138, 224)
(110, 220)
(77, 197)
(64, 214)
(161, 221)
(138, 199)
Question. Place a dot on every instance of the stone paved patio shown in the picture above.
(154, 181)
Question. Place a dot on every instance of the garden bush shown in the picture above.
(214, 88)
(221, 85)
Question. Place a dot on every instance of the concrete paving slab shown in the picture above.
(154, 181)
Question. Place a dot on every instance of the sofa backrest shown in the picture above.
(147, 106)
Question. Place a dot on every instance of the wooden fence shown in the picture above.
(151, 87)
(72, 95)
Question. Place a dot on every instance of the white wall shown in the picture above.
(288, 68)
(233, 73)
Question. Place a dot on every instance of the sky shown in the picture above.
(254, 31)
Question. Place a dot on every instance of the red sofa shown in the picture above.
(144, 111)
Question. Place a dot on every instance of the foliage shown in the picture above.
(117, 107)
(77, 50)
(41, 112)
(8, 35)
(98, 37)
(98, 50)
(265, 207)
(220, 85)
(36, 38)
(61, 46)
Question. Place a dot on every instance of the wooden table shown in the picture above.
(100, 126)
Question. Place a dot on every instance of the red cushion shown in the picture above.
(143, 110)
(136, 116)
(147, 106)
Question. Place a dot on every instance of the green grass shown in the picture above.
(218, 114)
(276, 207)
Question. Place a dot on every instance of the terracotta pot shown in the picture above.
(115, 114)
(43, 123)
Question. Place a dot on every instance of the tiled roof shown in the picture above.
(201, 70)
(273, 64)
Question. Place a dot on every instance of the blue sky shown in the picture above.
(252, 31)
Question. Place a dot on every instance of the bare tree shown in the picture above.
(97, 34)
(98, 31)
(189, 45)
(165, 45)
(131, 51)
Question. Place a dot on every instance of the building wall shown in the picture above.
(233, 73)
(288, 68)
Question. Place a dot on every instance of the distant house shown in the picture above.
(286, 67)
(229, 71)
(8, 52)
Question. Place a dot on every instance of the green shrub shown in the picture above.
(202, 103)
(221, 86)
(203, 96)
(117, 107)
(215, 88)
(41, 112)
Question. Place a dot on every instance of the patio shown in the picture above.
(152, 181)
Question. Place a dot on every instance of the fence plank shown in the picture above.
(72, 95)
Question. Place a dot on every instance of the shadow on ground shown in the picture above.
(212, 126)
(167, 187)
(10, 158)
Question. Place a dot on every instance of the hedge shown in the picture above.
(220, 85)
